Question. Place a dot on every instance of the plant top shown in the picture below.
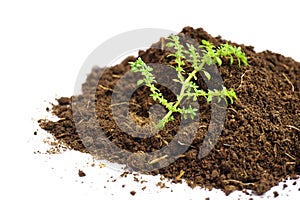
(189, 89)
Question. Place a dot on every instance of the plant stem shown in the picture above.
(182, 91)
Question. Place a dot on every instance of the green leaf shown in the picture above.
(219, 61)
(154, 96)
(185, 115)
(209, 98)
(161, 124)
(139, 82)
(231, 99)
(207, 75)
(231, 59)
(172, 118)
(170, 44)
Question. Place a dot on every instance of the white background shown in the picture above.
(42, 47)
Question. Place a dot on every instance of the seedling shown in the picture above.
(189, 89)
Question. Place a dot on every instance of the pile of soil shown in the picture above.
(259, 144)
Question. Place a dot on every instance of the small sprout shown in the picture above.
(189, 89)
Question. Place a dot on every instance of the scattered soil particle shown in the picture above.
(259, 144)
(64, 101)
(136, 179)
(275, 194)
(143, 188)
(81, 173)
(229, 188)
(295, 183)
(246, 192)
(284, 186)
(123, 186)
(161, 185)
(124, 174)
(133, 193)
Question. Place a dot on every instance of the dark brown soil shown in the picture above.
(259, 145)
(81, 173)
(275, 194)
(133, 193)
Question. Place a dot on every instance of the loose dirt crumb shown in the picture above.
(81, 173)
(136, 179)
(295, 183)
(133, 193)
(64, 101)
(143, 188)
(161, 185)
(124, 174)
(102, 165)
(275, 194)
(229, 188)
(284, 186)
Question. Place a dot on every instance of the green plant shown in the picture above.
(189, 89)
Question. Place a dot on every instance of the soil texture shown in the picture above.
(259, 143)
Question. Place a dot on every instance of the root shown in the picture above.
(162, 40)
(290, 126)
(237, 182)
(288, 80)
(290, 156)
(157, 160)
(105, 88)
(243, 77)
(122, 103)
